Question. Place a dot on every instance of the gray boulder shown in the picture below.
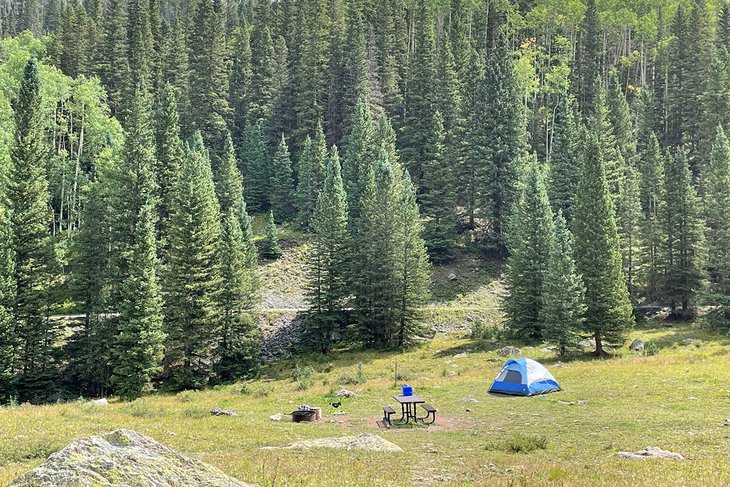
(365, 441)
(650, 452)
(637, 346)
(509, 352)
(122, 457)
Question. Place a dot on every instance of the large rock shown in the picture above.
(122, 457)
(509, 352)
(650, 452)
(365, 441)
(637, 345)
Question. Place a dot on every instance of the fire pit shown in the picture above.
(303, 416)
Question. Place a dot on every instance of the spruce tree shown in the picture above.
(175, 71)
(684, 237)
(504, 139)
(229, 182)
(563, 292)
(139, 43)
(192, 278)
(358, 162)
(565, 159)
(169, 153)
(270, 247)
(139, 344)
(436, 197)
(263, 64)
(7, 300)
(327, 288)
(598, 253)
(622, 121)
(238, 351)
(716, 186)
(531, 231)
(35, 262)
(281, 185)
(311, 174)
(652, 174)
(629, 219)
(589, 58)
(256, 164)
(114, 61)
(241, 78)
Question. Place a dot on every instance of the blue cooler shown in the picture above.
(407, 390)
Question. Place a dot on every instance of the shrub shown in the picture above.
(650, 348)
(519, 443)
(303, 375)
(358, 377)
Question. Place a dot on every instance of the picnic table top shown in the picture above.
(409, 399)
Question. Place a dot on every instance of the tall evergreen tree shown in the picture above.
(270, 247)
(256, 168)
(241, 79)
(281, 182)
(589, 58)
(683, 253)
(169, 153)
(358, 163)
(115, 62)
(263, 65)
(311, 174)
(7, 300)
(565, 159)
(35, 261)
(139, 344)
(716, 186)
(209, 75)
(652, 174)
(504, 140)
(327, 270)
(193, 279)
(563, 292)
(598, 253)
(629, 227)
(228, 179)
(531, 231)
(175, 71)
(622, 121)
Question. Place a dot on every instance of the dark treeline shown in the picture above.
(586, 146)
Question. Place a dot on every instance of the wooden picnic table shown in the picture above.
(408, 407)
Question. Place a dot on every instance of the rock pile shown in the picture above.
(122, 457)
(650, 452)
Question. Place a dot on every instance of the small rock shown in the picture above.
(509, 351)
(460, 355)
(492, 359)
(588, 344)
(345, 393)
(650, 452)
(433, 450)
(468, 410)
(452, 277)
(687, 341)
(100, 402)
(216, 411)
(637, 345)
(727, 422)
(340, 413)
(470, 399)
(546, 350)
(276, 417)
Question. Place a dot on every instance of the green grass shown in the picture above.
(676, 399)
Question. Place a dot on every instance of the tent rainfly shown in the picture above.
(524, 377)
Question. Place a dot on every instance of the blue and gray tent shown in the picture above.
(524, 377)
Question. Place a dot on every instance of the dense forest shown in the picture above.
(582, 142)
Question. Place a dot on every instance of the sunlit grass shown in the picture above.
(677, 400)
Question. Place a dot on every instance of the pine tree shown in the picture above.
(589, 58)
(238, 351)
(241, 79)
(565, 159)
(327, 270)
(412, 267)
(629, 219)
(229, 182)
(531, 231)
(598, 253)
(175, 71)
(652, 174)
(35, 262)
(192, 278)
(358, 163)
(716, 185)
(7, 300)
(263, 65)
(281, 185)
(270, 247)
(139, 344)
(169, 154)
(683, 253)
(436, 198)
(209, 75)
(140, 43)
(256, 168)
(114, 61)
(505, 141)
(563, 293)
(311, 174)
(622, 121)
(420, 94)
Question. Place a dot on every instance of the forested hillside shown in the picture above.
(582, 142)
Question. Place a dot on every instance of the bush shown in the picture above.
(484, 331)
(519, 443)
(358, 377)
(303, 375)
(650, 348)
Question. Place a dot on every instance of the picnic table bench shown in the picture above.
(408, 405)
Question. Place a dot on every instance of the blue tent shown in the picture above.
(524, 377)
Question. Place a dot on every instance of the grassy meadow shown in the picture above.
(677, 399)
